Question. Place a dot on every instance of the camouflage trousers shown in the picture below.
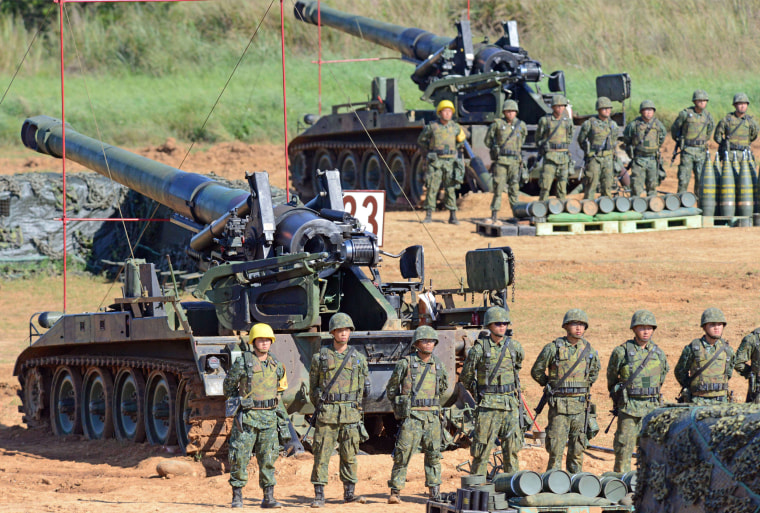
(490, 425)
(506, 176)
(325, 438)
(626, 436)
(599, 170)
(261, 441)
(566, 428)
(644, 176)
(441, 172)
(692, 161)
(556, 165)
(422, 429)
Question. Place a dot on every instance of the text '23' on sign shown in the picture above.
(369, 208)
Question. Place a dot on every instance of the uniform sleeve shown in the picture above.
(594, 366)
(743, 355)
(628, 138)
(675, 129)
(682, 367)
(720, 131)
(541, 131)
(467, 376)
(232, 379)
(731, 362)
(753, 129)
(583, 133)
(314, 391)
(443, 382)
(710, 126)
(664, 366)
(365, 385)
(661, 132)
(423, 141)
(519, 355)
(399, 371)
(538, 371)
(491, 134)
(613, 367)
(523, 132)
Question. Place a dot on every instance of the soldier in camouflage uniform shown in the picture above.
(505, 138)
(635, 374)
(259, 380)
(597, 137)
(339, 418)
(491, 374)
(553, 137)
(747, 363)
(737, 130)
(568, 384)
(643, 138)
(440, 141)
(691, 130)
(705, 379)
(415, 389)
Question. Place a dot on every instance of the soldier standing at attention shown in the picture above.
(597, 137)
(737, 130)
(491, 374)
(441, 140)
(338, 381)
(573, 367)
(691, 130)
(415, 390)
(553, 137)
(258, 379)
(749, 351)
(505, 138)
(706, 364)
(635, 374)
(643, 138)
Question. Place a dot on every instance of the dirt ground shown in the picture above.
(676, 274)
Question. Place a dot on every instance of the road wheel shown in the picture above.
(65, 400)
(417, 178)
(97, 400)
(184, 396)
(33, 394)
(128, 405)
(160, 408)
(398, 177)
(348, 163)
(373, 172)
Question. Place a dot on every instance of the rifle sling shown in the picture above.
(640, 367)
(575, 365)
(709, 362)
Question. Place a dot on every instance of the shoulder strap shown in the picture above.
(581, 357)
(559, 123)
(507, 341)
(744, 118)
(422, 379)
(641, 366)
(340, 369)
(699, 371)
(512, 133)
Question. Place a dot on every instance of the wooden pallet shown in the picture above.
(657, 225)
(577, 228)
(726, 221)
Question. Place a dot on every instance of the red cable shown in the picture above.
(63, 153)
(284, 101)
(319, 58)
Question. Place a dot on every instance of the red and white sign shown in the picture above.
(369, 208)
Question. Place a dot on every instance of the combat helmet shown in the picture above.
(740, 98)
(643, 318)
(603, 103)
(510, 105)
(699, 94)
(559, 100)
(445, 104)
(340, 320)
(712, 315)
(647, 104)
(425, 333)
(260, 330)
(577, 315)
(496, 314)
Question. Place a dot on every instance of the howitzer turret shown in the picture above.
(153, 366)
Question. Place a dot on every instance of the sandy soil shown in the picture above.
(676, 274)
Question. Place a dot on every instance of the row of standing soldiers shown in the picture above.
(566, 368)
(643, 139)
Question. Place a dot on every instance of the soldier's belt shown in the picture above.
(695, 142)
(710, 387)
(496, 389)
(640, 153)
(342, 398)
(509, 153)
(561, 146)
(426, 402)
(251, 404)
(739, 147)
(443, 153)
(644, 392)
(570, 391)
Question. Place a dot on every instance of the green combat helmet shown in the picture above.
(647, 104)
(577, 315)
(496, 314)
(603, 103)
(510, 105)
(559, 100)
(643, 318)
(425, 333)
(740, 98)
(340, 320)
(699, 94)
(712, 315)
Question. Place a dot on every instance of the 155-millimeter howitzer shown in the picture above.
(359, 138)
(152, 366)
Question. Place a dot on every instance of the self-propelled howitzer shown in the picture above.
(152, 366)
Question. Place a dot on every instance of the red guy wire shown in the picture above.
(284, 101)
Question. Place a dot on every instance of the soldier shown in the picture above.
(749, 351)
(415, 390)
(258, 379)
(573, 368)
(338, 380)
(643, 138)
(553, 137)
(706, 364)
(691, 130)
(737, 130)
(491, 374)
(635, 374)
(441, 140)
(505, 138)
(597, 137)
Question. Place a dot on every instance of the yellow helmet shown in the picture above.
(260, 330)
(445, 104)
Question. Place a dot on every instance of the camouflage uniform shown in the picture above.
(261, 380)
(735, 133)
(505, 140)
(597, 137)
(642, 143)
(555, 150)
(693, 130)
(423, 424)
(639, 398)
(749, 351)
(498, 409)
(567, 405)
(439, 142)
(340, 419)
(711, 385)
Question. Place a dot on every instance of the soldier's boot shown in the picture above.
(348, 494)
(395, 497)
(319, 496)
(435, 493)
(268, 502)
(428, 217)
(453, 217)
(237, 497)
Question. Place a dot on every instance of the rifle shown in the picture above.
(751, 384)
(676, 150)
(661, 174)
(544, 399)
(614, 412)
(585, 419)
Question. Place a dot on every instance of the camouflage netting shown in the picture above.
(30, 203)
(700, 459)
